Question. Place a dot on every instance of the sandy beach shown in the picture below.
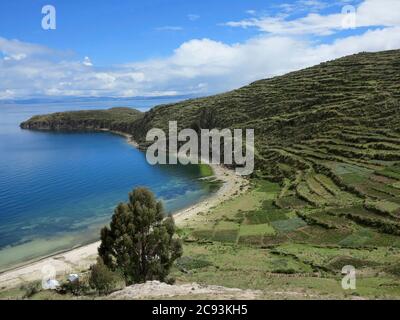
(79, 259)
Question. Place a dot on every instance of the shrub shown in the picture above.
(394, 269)
(31, 289)
(189, 263)
(103, 280)
(77, 288)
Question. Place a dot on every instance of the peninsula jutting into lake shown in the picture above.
(71, 183)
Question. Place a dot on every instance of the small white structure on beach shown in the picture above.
(51, 284)
(73, 277)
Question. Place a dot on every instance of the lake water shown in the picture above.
(58, 189)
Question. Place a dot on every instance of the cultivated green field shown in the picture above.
(250, 243)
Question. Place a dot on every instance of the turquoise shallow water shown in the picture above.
(58, 189)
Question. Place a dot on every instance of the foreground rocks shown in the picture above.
(156, 290)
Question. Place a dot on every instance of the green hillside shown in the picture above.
(326, 191)
(114, 119)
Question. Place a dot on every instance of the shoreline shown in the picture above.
(79, 259)
(127, 136)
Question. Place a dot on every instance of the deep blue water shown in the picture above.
(58, 189)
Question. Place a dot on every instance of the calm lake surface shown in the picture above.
(58, 189)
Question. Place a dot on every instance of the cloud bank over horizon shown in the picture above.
(204, 66)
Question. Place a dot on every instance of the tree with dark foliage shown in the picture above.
(140, 241)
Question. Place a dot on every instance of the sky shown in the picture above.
(127, 48)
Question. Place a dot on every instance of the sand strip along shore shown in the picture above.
(79, 259)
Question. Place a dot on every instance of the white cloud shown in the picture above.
(368, 14)
(306, 5)
(7, 94)
(16, 57)
(251, 12)
(379, 13)
(16, 49)
(200, 66)
(87, 62)
(169, 28)
(313, 23)
(193, 17)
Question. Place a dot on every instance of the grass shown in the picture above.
(290, 275)
(288, 225)
(255, 245)
(205, 170)
(257, 217)
(256, 230)
(118, 119)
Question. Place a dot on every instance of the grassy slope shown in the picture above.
(115, 118)
(327, 186)
(299, 260)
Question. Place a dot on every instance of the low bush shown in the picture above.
(31, 289)
(77, 288)
(103, 280)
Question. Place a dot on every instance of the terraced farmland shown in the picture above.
(326, 190)
(250, 242)
(329, 137)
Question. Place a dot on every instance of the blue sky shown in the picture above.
(157, 47)
(122, 31)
